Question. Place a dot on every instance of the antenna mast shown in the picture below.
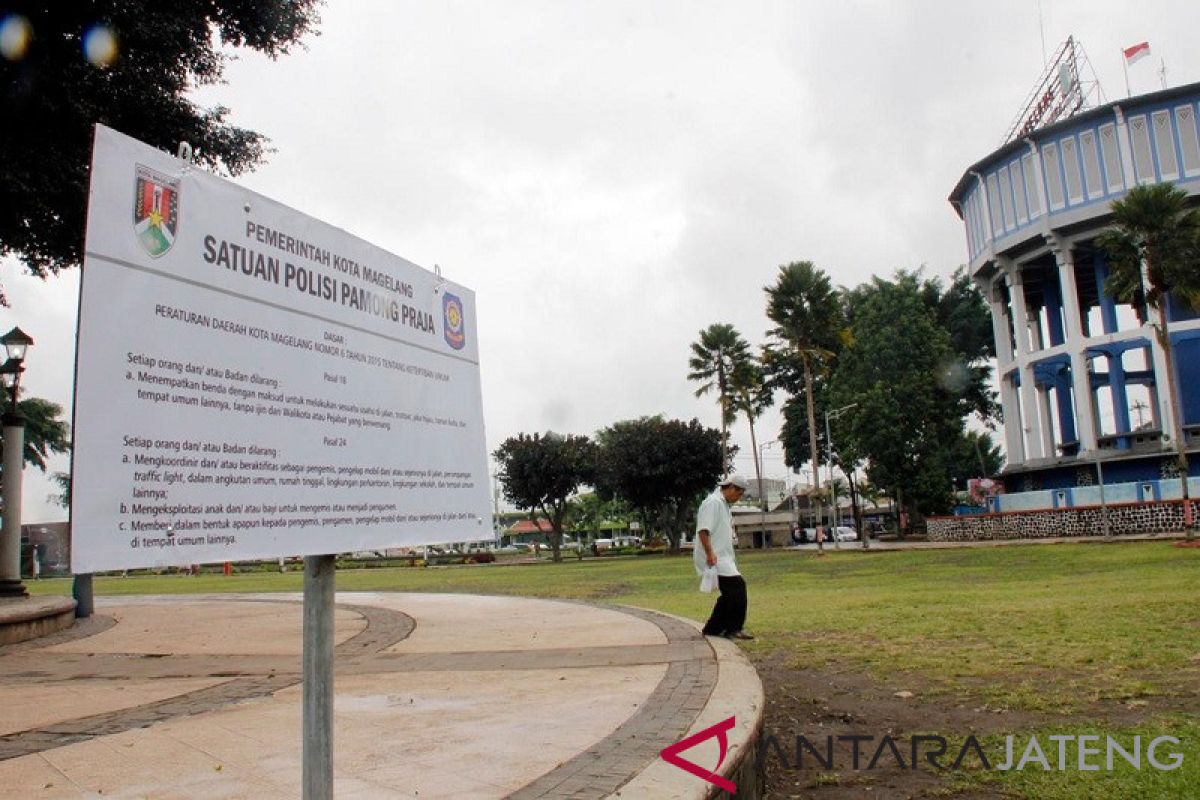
(1059, 93)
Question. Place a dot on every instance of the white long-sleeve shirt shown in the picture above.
(715, 517)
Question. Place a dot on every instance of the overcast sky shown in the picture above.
(612, 177)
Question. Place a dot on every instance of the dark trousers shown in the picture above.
(729, 614)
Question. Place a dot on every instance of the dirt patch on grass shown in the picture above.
(817, 703)
(609, 591)
(831, 701)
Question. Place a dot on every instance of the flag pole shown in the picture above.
(1125, 66)
(1042, 31)
(1162, 71)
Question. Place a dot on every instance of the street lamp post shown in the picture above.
(16, 342)
(762, 497)
(1103, 504)
(837, 412)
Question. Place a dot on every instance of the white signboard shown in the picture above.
(254, 383)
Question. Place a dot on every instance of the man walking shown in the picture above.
(714, 548)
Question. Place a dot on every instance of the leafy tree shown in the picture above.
(962, 311)
(53, 94)
(542, 472)
(1155, 228)
(808, 322)
(589, 511)
(715, 356)
(907, 418)
(660, 467)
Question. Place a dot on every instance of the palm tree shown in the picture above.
(45, 431)
(715, 356)
(808, 322)
(45, 434)
(752, 397)
(1154, 250)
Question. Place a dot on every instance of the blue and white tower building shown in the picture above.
(1081, 376)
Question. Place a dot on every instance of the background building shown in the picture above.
(1082, 378)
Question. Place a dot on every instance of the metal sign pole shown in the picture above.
(318, 677)
(1103, 504)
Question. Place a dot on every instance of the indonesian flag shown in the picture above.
(1136, 53)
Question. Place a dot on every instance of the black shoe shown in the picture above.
(739, 635)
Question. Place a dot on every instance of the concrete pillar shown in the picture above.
(1120, 398)
(1014, 445)
(1054, 309)
(1108, 309)
(1010, 401)
(1161, 394)
(1049, 446)
(1063, 393)
(10, 533)
(1000, 325)
(1076, 341)
(1030, 413)
(1037, 334)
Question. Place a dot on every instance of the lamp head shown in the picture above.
(10, 373)
(16, 342)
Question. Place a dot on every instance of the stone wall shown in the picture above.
(1164, 516)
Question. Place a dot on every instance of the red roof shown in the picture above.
(527, 526)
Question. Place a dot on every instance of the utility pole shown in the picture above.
(829, 445)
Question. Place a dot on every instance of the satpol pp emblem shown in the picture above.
(155, 210)
(453, 322)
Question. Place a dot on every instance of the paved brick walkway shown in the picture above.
(380, 648)
(668, 713)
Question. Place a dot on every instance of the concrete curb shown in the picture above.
(32, 617)
(739, 694)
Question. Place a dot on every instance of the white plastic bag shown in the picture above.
(708, 580)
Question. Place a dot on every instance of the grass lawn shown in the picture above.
(1062, 632)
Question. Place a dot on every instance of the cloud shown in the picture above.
(610, 178)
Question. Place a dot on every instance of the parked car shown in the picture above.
(845, 533)
(809, 535)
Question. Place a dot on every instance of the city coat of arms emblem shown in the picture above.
(155, 210)
(454, 327)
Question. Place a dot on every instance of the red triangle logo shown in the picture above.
(671, 754)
